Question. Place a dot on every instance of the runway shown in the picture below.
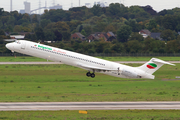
(32, 106)
(40, 63)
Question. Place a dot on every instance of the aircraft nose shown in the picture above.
(9, 46)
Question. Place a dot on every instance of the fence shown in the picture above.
(113, 54)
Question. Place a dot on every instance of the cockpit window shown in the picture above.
(17, 41)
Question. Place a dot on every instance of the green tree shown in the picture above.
(76, 46)
(9, 28)
(178, 38)
(107, 50)
(66, 35)
(152, 24)
(83, 32)
(172, 46)
(178, 28)
(99, 47)
(93, 20)
(148, 45)
(11, 21)
(51, 26)
(77, 15)
(2, 32)
(118, 48)
(17, 28)
(110, 28)
(133, 46)
(99, 27)
(1, 24)
(124, 33)
(96, 10)
(135, 9)
(34, 18)
(88, 30)
(151, 45)
(1, 11)
(22, 22)
(136, 36)
(80, 28)
(117, 9)
(44, 23)
(40, 34)
(26, 17)
(168, 35)
(138, 13)
(73, 24)
(49, 35)
(26, 29)
(169, 22)
(4, 20)
(134, 25)
(2, 36)
(62, 26)
(58, 35)
(91, 51)
(31, 37)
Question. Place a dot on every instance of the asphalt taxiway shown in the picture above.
(31, 106)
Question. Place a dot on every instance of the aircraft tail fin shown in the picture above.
(153, 65)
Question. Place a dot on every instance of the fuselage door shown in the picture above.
(23, 45)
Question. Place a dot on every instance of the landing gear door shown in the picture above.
(23, 45)
(117, 70)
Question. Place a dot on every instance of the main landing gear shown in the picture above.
(90, 74)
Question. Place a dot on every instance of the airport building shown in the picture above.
(56, 7)
(27, 8)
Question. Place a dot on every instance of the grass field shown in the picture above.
(92, 115)
(34, 59)
(58, 83)
(21, 59)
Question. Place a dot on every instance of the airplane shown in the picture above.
(91, 64)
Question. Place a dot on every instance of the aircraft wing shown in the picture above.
(89, 67)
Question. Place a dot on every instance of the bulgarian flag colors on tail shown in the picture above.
(151, 66)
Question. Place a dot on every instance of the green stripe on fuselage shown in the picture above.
(44, 47)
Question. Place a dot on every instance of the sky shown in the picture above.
(157, 5)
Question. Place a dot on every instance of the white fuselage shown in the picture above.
(76, 59)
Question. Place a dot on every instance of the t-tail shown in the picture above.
(153, 65)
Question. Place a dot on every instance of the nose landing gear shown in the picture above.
(90, 74)
(12, 52)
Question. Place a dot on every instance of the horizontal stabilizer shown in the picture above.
(161, 61)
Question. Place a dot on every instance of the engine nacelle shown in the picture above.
(130, 74)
